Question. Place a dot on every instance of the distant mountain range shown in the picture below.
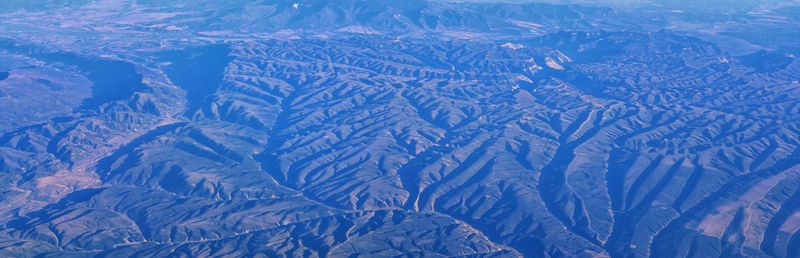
(399, 128)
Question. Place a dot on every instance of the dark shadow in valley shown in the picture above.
(198, 71)
(765, 62)
(112, 80)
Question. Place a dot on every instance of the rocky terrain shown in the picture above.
(399, 128)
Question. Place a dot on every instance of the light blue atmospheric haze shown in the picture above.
(400, 128)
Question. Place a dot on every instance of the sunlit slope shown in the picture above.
(539, 149)
(538, 130)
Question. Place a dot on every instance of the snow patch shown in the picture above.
(512, 45)
(556, 59)
(552, 63)
(524, 78)
(357, 29)
(173, 28)
(532, 27)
